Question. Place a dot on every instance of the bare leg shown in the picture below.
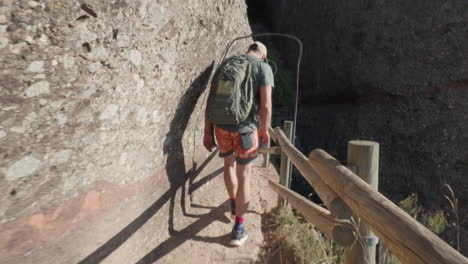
(230, 179)
(243, 192)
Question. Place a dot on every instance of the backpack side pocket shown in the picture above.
(246, 138)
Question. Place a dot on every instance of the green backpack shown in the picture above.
(233, 98)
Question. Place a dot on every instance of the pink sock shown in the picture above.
(240, 219)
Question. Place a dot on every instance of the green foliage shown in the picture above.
(436, 222)
(302, 240)
(410, 205)
(284, 80)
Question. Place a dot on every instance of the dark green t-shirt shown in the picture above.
(261, 75)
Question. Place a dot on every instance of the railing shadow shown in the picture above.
(175, 169)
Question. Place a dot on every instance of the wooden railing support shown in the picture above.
(364, 157)
(409, 240)
(271, 131)
(329, 197)
(285, 165)
(285, 168)
(270, 150)
(340, 231)
(266, 150)
(266, 155)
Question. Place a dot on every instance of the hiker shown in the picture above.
(238, 123)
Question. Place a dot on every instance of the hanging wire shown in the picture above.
(297, 69)
(275, 67)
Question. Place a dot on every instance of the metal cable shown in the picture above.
(297, 69)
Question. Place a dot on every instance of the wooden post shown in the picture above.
(364, 157)
(266, 156)
(285, 165)
(288, 130)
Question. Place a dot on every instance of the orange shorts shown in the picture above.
(245, 149)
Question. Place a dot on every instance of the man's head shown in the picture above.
(258, 49)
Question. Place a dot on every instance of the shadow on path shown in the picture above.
(190, 233)
(173, 146)
(175, 169)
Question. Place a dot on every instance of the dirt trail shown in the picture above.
(208, 224)
(203, 234)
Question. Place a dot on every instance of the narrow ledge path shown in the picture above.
(201, 233)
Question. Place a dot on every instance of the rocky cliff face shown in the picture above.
(393, 72)
(101, 112)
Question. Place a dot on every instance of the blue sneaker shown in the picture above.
(238, 235)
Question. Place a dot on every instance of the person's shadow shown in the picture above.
(173, 146)
(175, 169)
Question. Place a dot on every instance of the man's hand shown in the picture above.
(264, 136)
(208, 141)
(265, 112)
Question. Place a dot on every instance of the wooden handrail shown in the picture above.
(334, 203)
(340, 231)
(410, 241)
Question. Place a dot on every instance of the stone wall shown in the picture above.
(101, 113)
(394, 72)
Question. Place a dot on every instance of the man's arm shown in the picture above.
(265, 112)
